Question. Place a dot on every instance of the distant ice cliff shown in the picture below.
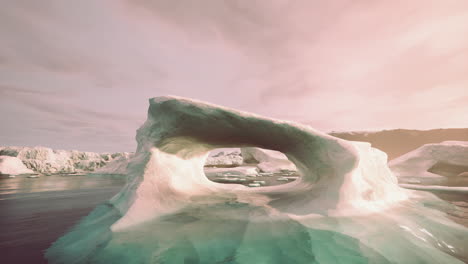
(47, 160)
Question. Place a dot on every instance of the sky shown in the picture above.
(78, 74)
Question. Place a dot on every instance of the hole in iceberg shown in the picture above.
(249, 166)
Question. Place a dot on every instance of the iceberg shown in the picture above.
(231, 159)
(439, 160)
(13, 166)
(345, 208)
(116, 166)
(267, 160)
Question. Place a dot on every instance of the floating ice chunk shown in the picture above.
(282, 179)
(448, 158)
(241, 171)
(232, 179)
(13, 166)
(267, 160)
(413, 181)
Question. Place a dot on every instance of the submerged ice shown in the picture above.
(346, 208)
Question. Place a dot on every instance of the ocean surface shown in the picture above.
(34, 212)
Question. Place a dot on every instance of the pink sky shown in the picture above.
(77, 74)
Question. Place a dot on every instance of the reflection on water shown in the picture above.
(23, 184)
(36, 211)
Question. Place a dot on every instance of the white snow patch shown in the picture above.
(417, 163)
(13, 166)
(47, 160)
(267, 160)
(224, 158)
(116, 166)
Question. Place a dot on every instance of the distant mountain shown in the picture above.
(400, 141)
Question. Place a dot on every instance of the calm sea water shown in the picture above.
(34, 212)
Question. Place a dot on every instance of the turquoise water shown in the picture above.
(236, 232)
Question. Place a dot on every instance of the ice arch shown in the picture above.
(169, 212)
(338, 176)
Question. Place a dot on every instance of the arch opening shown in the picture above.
(249, 166)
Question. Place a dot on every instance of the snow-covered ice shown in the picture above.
(267, 160)
(233, 158)
(116, 166)
(345, 208)
(446, 159)
(13, 166)
(47, 160)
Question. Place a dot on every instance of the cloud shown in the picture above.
(88, 67)
(49, 117)
(304, 47)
